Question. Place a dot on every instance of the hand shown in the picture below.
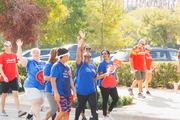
(5, 79)
(117, 81)
(132, 70)
(82, 34)
(19, 80)
(74, 96)
(80, 42)
(19, 43)
(56, 97)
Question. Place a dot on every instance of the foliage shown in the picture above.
(52, 27)
(122, 101)
(106, 28)
(75, 21)
(157, 26)
(19, 20)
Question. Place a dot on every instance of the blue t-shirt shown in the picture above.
(62, 73)
(102, 67)
(34, 78)
(85, 84)
(46, 72)
(76, 71)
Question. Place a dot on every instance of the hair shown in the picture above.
(141, 40)
(86, 46)
(106, 51)
(53, 54)
(61, 51)
(35, 49)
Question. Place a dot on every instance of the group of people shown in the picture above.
(54, 80)
(141, 62)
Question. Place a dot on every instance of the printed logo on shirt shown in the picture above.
(39, 77)
(65, 74)
(148, 57)
(141, 53)
(11, 61)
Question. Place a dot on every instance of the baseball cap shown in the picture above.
(147, 47)
(8, 43)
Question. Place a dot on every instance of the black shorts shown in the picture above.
(11, 84)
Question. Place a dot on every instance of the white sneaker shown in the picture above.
(175, 87)
(110, 117)
(4, 113)
(106, 118)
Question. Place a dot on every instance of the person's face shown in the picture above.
(142, 44)
(7, 48)
(66, 58)
(88, 49)
(105, 55)
(87, 58)
(35, 54)
(147, 51)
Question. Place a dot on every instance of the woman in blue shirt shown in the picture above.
(85, 85)
(105, 92)
(48, 86)
(34, 82)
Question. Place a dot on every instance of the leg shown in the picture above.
(83, 112)
(148, 80)
(60, 115)
(3, 99)
(35, 108)
(105, 96)
(140, 85)
(93, 104)
(53, 105)
(134, 84)
(115, 97)
(66, 117)
(82, 99)
(16, 98)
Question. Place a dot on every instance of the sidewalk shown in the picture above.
(162, 105)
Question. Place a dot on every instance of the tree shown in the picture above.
(106, 26)
(18, 19)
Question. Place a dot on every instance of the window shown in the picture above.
(173, 55)
(159, 55)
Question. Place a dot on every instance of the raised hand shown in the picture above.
(19, 42)
(80, 42)
(82, 34)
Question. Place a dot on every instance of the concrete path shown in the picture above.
(163, 104)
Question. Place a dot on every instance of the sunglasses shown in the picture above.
(88, 48)
(105, 53)
(142, 44)
(87, 56)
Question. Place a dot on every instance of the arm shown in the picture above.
(116, 77)
(101, 75)
(131, 64)
(80, 47)
(56, 94)
(2, 73)
(73, 89)
(23, 60)
(17, 72)
(154, 67)
(47, 78)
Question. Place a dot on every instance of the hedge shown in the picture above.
(167, 73)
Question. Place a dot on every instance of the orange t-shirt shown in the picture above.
(179, 54)
(138, 56)
(9, 62)
(149, 60)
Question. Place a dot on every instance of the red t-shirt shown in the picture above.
(9, 62)
(149, 60)
(179, 54)
(138, 55)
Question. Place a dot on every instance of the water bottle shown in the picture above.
(20, 85)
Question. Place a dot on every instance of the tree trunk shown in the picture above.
(165, 38)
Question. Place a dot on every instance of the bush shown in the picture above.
(122, 101)
(163, 78)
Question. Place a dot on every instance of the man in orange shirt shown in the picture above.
(9, 77)
(138, 66)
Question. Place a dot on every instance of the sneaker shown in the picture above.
(110, 117)
(21, 113)
(140, 95)
(148, 93)
(4, 113)
(84, 118)
(130, 91)
(106, 118)
(175, 87)
(91, 118)
(29, 118)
